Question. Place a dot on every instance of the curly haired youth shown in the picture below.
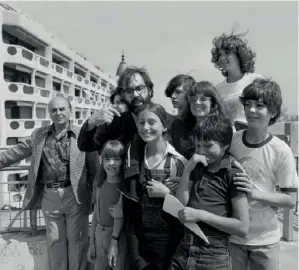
(233, 43)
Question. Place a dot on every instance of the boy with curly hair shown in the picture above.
(232, 55)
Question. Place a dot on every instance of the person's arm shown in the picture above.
(92, 166)
(117, 213)
(236, 225)
(287, 180)
(85, 138)
(185, 185)
(99, 128)
(114, 244)
(16, 153)
(93, 227)
(184, 188)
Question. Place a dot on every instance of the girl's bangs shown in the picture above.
(111, 151)
(202, 91)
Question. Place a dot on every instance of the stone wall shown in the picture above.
(21, 251)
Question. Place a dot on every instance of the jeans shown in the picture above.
(265, 257)
(194, 254)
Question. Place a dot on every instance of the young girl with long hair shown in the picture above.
(107, 245)
(157, 232)
(202, 100)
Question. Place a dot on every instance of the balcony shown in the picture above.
(63, 72)
(21, 55)
(23, 127)
(17, 91)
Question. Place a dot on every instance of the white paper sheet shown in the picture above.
(172, 205)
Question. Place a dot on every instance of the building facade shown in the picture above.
(34, 67)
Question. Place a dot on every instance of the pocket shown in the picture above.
(152, 217)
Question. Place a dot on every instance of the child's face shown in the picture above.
(228, 60)
(150, 127)
(178, 97)
(120, 105)
(213, 150)
(112, 165)
(200, 105)
(257, 113)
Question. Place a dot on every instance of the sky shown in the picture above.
(169, 38)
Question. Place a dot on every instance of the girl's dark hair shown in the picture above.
(156, 109)
(111, 149)
(233, 43)
(185, 80)
(214, 128)
(267, 90)
(126, 77)
(207, 89)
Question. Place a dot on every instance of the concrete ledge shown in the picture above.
(21, 251)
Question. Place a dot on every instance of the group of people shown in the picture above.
(216, 157)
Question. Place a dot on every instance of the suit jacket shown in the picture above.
(83, 167)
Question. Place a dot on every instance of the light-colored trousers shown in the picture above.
(67, 229)
(264, 257)
(103, 236)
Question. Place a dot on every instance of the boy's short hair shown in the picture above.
(214, 128)
(185, 80)
(267, 90)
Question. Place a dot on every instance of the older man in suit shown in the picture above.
(60, 183)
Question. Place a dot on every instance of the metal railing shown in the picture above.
(12, 216)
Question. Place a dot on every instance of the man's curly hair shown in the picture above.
(233, 43)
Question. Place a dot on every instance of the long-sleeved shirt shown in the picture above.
(55, 158)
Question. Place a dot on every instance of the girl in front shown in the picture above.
(107, 242)
(157, 232)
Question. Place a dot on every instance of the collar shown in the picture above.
(168, 150)
(70, 129)
(225, 163)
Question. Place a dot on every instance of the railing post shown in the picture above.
(33, 221)
(287, 225)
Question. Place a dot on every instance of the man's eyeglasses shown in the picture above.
(139, 89)
(194, 99)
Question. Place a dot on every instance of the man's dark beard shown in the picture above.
(135, 108)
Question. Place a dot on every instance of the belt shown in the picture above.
(191, 239)
(58, 185)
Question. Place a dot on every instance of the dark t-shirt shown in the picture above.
(181, 136)
(103, 198)
(213, 192)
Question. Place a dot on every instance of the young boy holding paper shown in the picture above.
(211, 199)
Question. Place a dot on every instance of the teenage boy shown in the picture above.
(268, 164)
(208, 191)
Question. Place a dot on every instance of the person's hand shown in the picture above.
(188, 214)
(112, 253)
(172, 183)
(91, 253)
(243, 181)
(103, 116)
(156, 189)
(196, 158)
(116, 211)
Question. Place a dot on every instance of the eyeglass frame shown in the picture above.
(201, 98)
(139, 89)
